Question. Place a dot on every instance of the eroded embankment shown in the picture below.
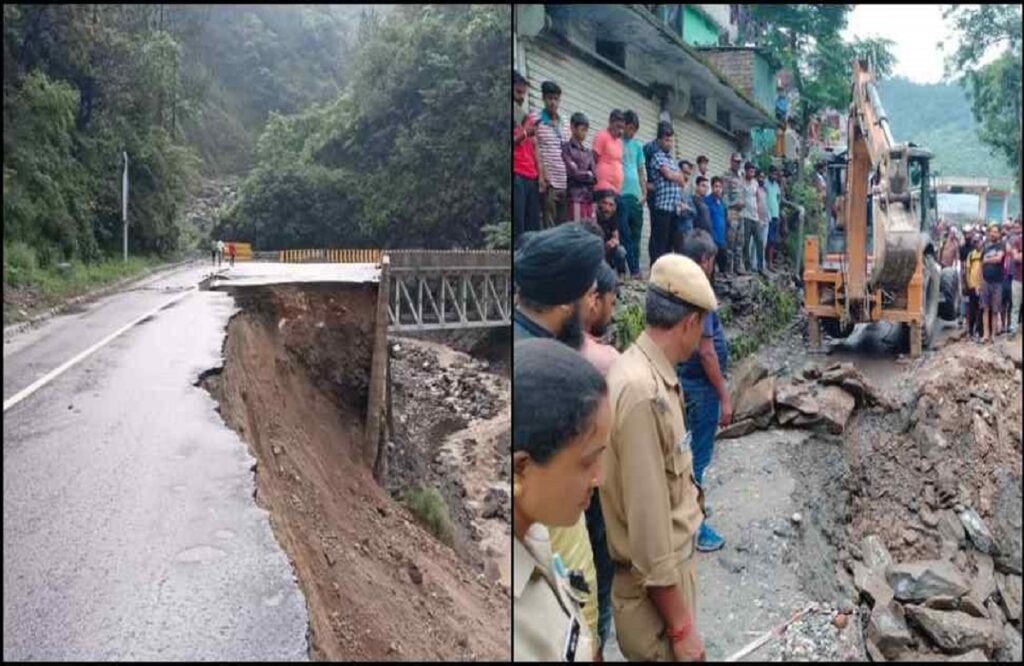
(377, 586)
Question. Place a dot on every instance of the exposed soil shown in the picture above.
(377, 585)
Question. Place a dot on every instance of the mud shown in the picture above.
(377, 585)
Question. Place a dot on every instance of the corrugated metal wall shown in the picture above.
(587, 89)
(694, 138)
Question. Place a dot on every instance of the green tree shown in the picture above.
(805, 39)
(995, 88)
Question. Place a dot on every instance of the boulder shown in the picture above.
(1011, 648)
(972, 606)
(874, 553)
(836, 405)
(942, 602)
(796, 397)
(984, 582)
(1005, 522)
(1010, 590)
(921, 580)
(756, 400)
(954, 631)
(949, 526)
(806, 419)
(872, 584)
(978, 531)
(887, 630)
(746, 374)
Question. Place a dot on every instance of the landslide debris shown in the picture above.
(378, 586)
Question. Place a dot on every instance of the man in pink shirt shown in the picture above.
(608, 154)
(596, 320)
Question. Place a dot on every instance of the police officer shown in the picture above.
(555, 273)
(732, 196)
(649, 498)
(562, 418)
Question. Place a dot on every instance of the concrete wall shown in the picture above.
(374, 453)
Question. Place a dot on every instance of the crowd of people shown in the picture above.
(989, 263)
(557, 179)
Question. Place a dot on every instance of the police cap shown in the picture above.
(682, 279)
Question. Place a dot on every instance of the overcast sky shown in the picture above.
(915, 29)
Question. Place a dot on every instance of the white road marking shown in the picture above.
(56, 372)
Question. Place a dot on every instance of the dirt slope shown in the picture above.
(378, 587)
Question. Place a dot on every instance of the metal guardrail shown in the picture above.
(330, 255)
(443, 290)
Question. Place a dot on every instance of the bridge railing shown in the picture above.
(330, 255)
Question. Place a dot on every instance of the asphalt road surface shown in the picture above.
(130, 528)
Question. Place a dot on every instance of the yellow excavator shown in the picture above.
(879, 261)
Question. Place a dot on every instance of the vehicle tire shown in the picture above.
(931, 289)
(949, 288)
(832, 328)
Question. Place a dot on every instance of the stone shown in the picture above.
(795, 397)
(874, 553)
(972, 606)
(995, 613)
(738, 429)
(984, 582)
(756, 400)
(836, 405)
(928, 518)
(415, 575)
(873, 651)
(921, 580)
(871, 584)
(978, 532)
(496, 503)
(850, 641)
(1010, 590)
(887, 629)
(785, 416)
(806, 419)
(732, 564)
(1011, 648)
(839, 621)
(1005, 521)
(747, 373)
(950, 527)
(954, 631)
(942, 602)
(974, 656)
(909, 537)
(797, 518)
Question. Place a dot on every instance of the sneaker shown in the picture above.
(708, 539)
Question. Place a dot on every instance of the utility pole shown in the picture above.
(124, 205)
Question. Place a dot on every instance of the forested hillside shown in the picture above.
(939, 116)
(351, 125)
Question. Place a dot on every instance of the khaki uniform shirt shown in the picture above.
(573, 543)
(732, 194)
(543, 612)
(649, 498)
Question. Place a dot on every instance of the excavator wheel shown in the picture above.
(949, 287)
(932, 294)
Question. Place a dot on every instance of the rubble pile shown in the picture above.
(819, 399)
(935, 540)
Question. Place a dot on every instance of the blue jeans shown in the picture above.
(702, 411)
(602, 564)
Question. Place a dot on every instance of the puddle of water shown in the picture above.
(200, 554)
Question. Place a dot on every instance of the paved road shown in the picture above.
(130, 529)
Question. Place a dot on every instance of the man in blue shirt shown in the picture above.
(716, 209)
(702, 379)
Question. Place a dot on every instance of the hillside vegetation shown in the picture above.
(938, 116)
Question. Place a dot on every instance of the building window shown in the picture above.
(612, 51)
(699, 105)
(724, 121)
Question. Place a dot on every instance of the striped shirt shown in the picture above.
(667, 193)
(549, 140)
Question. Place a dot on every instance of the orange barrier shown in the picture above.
(330, 255)
(243, 251)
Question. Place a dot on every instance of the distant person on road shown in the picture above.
(213, 252)
(220, 252)
(702, 378)
(562, 418)
(973, 283)
(992, 289)
(231, 253)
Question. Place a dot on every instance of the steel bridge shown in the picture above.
(429, 290)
